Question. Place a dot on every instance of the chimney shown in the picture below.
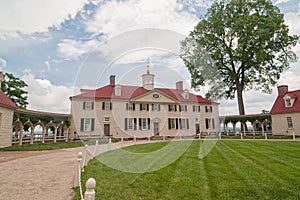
(179, 85)
(282, 89)
(112, 80)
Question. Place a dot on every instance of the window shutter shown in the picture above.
(141, 107)
(103, 105)
(185, 108)
(140, 123)
(126, 119)
(158, 107)
(147, 107)
(213, 123)
(169, 107)
(135, 123)
(180, 108)
(127, 106)
(110, 105)
(175, 107)
(92, 105)
(133, 106)
(93, 124)
(176, 123)
(83, 105)
(206, 123)
(169, 123)
(81, 124)
(193, 108)
(152, 105)
(148, 123)
(210, 108)
(187, 123)
(180, 123)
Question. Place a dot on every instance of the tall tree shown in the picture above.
(13, 87)
(239, 45)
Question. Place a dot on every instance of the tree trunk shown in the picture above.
(240, 99)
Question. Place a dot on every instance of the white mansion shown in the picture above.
(142, 111)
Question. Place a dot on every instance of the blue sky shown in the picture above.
(59, 46)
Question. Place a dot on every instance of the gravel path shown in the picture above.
(47, 175)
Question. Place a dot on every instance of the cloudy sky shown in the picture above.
(59, 46)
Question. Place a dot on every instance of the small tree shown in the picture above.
(13, 87)
(239, 45)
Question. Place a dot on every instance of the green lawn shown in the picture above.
(232, 170)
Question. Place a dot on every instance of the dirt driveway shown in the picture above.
(47, 175)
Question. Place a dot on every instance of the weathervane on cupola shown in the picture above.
(148, 79)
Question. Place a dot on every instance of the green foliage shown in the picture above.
(232, 170)
(244, 119)
(13, 87)
(239, 46)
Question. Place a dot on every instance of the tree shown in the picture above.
(13, 88)
(239, 45)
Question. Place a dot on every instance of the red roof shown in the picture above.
(131, 92)
(6, 101)
(279, 105)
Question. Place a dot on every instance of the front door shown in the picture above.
(156, 128)
(106, 129)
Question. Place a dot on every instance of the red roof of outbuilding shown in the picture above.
(279, 105)
(131, 92)
(6, 101)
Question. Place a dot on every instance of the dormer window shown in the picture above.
(288, 100)
(288, 103)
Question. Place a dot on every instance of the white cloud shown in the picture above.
(44, 96)
(116, 17)
(292, 19)
(73, 49)
(3, 63)
(281, 1)
(29, 16)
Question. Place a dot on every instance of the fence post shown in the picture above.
(95, 149)
(294, 137)
(109, 144)
(149, 138)
(266, 136)
(134, 139)
(242, 136)
(78, 170)
(90, 189)
(85, 158)
(164, 137)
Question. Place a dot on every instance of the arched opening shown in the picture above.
(249, 128)
(38, 132)
(17, 134)
(51, 132)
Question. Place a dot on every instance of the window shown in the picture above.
(288, 103)
(130, 123)
(144, 107)
(88, 105)
(208, 108)
(130, 106)
(172, 108)
(106, 119)
(155, 107)
(184, 123)
(106, 105)
(182, 108)
(173, 123)
(289, 122)
(87, 124)
(210, 123)
(144, 123)
(196, 108)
